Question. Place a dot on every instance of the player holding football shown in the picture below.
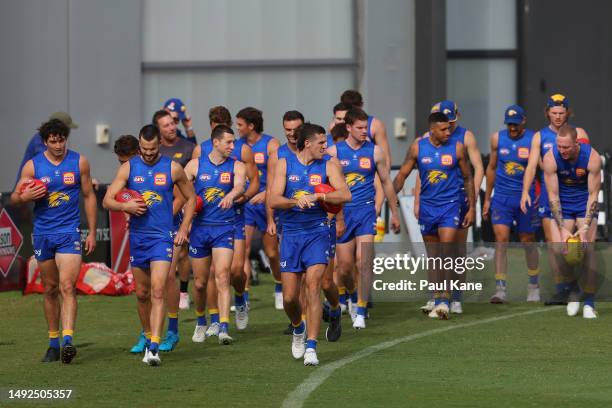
(305, 238)
(151, 224)
(572, 174)
(63, 174)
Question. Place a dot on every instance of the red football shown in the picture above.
(326, 189)
(126, 195)
(199, 204)
(32, 183)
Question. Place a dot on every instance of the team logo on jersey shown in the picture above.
(426, 160)
(365, 163)
(523, 152)
(446, 160)
(213, 193)
(57, 198)
(260, 158)
(69, 178)
(45, 179)
(177, 155)
(297, 194)
(205, 177)
(225, 178)
(138, 179)
(160, 179)
(354, 178)
(345, 163)
(151, 197)
(436, 176)
(568, 181)
(547, 146)
(294, 178)
(504, 151)
(315, 179)
(580, 172)
(513, 168)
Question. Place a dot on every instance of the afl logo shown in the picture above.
(45, 179)
(580, 172)
(69, 178)
(364, 163)
(547, 146)
(294, 178)
(138, 179)
(345, 163)
(205, 177)
(225, 178)
(523, 152)
(426, 160)
(446, 160)
(315, 179)
(260, 158)
(504, 151)
(160, 179)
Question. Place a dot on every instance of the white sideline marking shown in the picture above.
(300, 394)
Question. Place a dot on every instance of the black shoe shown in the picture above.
(334, 330)
(558, 299)
(68, 353)
(325, 314)
(288, 330)
(51, 355)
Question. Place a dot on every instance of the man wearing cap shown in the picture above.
(36, 144)
(467, 138)
(558, 112)
(178, 111)
(508, 160)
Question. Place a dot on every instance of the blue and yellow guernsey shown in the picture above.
(58, 212)
(573, 177)
(300, 181)
(512, 159)
(359, 168)
(440, 182)
(213, 182)
(154, 183)
(260, 156)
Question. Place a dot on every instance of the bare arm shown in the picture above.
(383, 169)
(238, 188)
(468, 181)
(185, 188)
(549, 166)
(277, 199)
(272, 161)
(475, 159)
(197, 152)
(594, 185)
(491, 168)
(337, 181)
(379, 134)
(407, 166)
(89, 201)
(251, 172)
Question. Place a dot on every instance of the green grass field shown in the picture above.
(539, 359)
